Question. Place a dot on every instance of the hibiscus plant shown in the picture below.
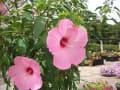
(41, 43)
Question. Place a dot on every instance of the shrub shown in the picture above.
(96, 47)
(98, 85)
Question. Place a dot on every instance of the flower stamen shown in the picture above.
(63, 42)
(29, 70)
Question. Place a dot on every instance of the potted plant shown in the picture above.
(104, 55)
(89, 54)
(107, 71)
(96, 57)
(117, 85)
(111, 56)
(93, 55)
(114, 54)
(98, 85)
(98, 60)
(117, 72)
(118, 53)
(116, 68)
(90, 62)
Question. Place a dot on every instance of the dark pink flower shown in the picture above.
(119, 59)
(106, 88)
(66, 43)
(3, 8)
(25, 73)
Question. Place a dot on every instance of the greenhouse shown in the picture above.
(59, 44)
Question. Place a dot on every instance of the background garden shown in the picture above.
(24, 27)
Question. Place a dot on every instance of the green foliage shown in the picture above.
(118, 84)
(25, 34)
(98, 85)
(96, 47)
(84, 62)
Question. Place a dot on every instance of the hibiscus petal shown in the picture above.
(16, 70)
(61, 60)
(3, 8)
(22, 82)
(27, 62)
(21, 60)
(17, 74)
(36, 82)
(53, 40)
(79, 38)
(65, 27)
(76, 55)
(35, 66)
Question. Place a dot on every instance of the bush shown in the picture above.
(96, 47)
(98, 85)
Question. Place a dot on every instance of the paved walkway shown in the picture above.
(2, 85)
(87, 73)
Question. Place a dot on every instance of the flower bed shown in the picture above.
(107, 71)
(98, 85)
(114, 70)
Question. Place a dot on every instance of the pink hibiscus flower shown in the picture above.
(66, 43)
(25, 73)
(106, 88)
(3, 8)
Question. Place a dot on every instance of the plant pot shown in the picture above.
(90, 63)
(109, 58)
(98, 62)
(118, 87)
(104, 57)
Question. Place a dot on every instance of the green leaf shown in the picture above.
(43, 38)
(98, 8)
(41, 4)
(44, 63)
(41, 70)
(64, 13)
(21, 43)
(26, 7)
(28, 15)
(106, 9)
(39, 26)
(117, 9)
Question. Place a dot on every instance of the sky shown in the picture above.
(92, 4)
